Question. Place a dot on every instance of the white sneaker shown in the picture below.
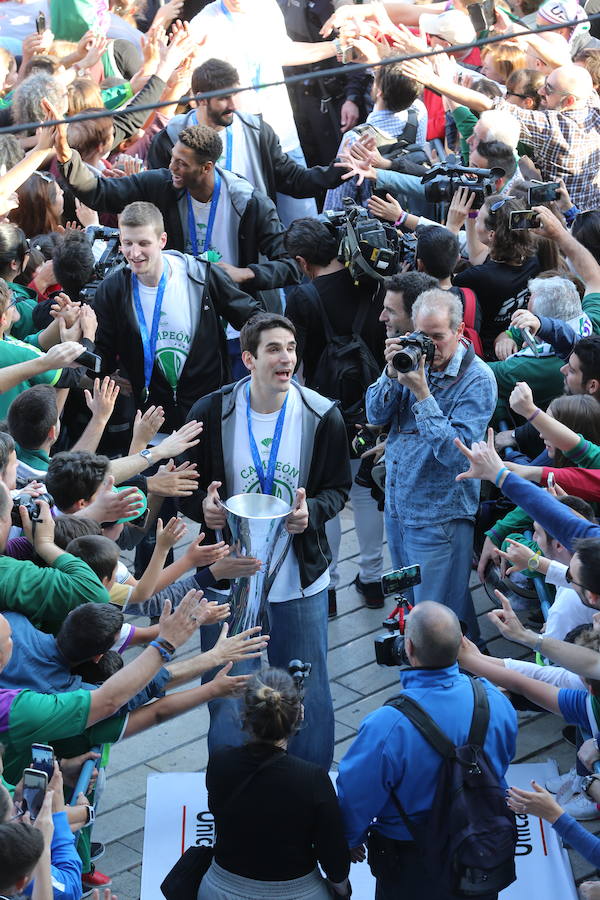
(581, 807)
(569, 790)
(556, 783)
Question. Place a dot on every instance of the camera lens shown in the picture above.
(407, 359)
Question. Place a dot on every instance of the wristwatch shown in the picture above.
(91, 815)
(147, 454)
(533, 563)
(587, 781)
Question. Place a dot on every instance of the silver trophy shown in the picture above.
(256, 522)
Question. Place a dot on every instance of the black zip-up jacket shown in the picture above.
(118, 339)
(324, 467)
(279, 171)
(260, 233)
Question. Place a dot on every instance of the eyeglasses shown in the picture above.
(570, 580)
(514, 94)
(548, 89)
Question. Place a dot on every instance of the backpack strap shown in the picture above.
(329, 335)
(469, 306)
(424, 724)
(361, 316)
(481, 714)
(409, 133)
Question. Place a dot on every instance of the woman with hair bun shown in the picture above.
(276, 815)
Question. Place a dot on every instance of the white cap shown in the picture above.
(452, 26)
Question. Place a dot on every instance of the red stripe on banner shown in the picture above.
(183, 830)
(543, 837)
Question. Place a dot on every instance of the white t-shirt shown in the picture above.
(560, 678)
(177, 320)
(255, 43)
(241, 163)
(287, 583)
(567, 611)
(224, 236)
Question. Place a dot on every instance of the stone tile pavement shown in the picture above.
(358, 687)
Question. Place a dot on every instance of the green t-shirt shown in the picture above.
(13, 352)
(27, 717)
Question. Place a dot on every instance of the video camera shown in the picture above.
(368, 247)
(106, 247)
(389, 646)
(442, 182)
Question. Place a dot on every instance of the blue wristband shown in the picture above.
(571, 214)
(499, 475)
(164, 653)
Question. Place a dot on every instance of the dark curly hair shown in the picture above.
(204, 141)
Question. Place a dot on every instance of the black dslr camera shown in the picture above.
(368, 248)
(389, 646)
(442, 182)
(33, 510)
(414, 346)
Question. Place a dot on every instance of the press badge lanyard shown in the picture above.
(211, 218)
(149, 342)
(266, 481)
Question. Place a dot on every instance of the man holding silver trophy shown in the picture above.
(274, 468)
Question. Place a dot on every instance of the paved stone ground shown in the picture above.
(358, 687)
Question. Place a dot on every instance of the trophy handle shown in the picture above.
(271, 576)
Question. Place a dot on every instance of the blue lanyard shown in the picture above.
(211, 218)
(266, 481)
(149, 343)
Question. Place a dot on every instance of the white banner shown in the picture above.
(177, 817)
(543, 866)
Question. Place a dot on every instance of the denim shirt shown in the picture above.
(421, 459)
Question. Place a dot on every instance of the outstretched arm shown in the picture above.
(545, 695)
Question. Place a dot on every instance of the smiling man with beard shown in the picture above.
(250, 146)
(267, 434)
(208, 212)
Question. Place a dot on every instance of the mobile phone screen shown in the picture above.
(34, 790)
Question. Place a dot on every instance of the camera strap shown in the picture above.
(451, 380)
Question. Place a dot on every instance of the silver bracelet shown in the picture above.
(538, 644)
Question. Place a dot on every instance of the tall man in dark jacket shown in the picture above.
(268, 434)
(251, 147)
(160, 318)
(207, 211)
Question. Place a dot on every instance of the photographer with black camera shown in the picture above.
(276, 816)
(433, 389)
(332, 313)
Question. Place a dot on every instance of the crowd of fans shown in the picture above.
(186, 314)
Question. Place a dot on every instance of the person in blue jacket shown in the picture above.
(389, 757)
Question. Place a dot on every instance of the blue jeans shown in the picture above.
(298, 630)
(445, 554)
